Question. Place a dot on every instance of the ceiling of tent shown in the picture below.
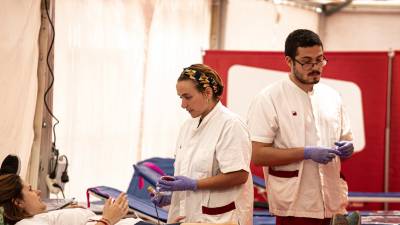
(329, 7)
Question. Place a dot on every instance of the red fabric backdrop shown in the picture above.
(365, 170)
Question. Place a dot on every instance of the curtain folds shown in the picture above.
(116, 65)
(19, 26)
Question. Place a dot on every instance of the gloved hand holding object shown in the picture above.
(158, 198)
(346, 148)
(179, 183)
(161, 200)
(320, 154)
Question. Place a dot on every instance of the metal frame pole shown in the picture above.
(387, 127)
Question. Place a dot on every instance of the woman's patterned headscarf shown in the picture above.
(201, 78)
(2, 216)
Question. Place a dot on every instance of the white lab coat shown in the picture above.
(221, 144)
(288, 117)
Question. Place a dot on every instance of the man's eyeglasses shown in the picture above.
(310, 65)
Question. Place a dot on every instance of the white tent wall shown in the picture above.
(263, 26)
(259, 25)
(98, 74)
(19, 34)
(175, 41)
(116, 65)
(362, 31)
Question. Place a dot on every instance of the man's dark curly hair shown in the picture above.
(300, 38)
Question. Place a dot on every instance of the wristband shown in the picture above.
(102, 220)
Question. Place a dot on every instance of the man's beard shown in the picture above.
(298, 77)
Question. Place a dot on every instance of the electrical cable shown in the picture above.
(59, 187)
(51, 74)
(158, 218)
(53, 173)
(153, 192)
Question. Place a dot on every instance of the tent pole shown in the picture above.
(387, 127)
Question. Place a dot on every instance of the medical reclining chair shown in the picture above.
(138, 197)
(146, 173)
(148, 170)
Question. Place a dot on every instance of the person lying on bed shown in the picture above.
(22, 205)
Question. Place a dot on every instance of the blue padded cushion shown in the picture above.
(150, 176)
(137, 204)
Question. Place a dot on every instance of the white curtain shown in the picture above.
(180, 31)
(116, 63)
(19, 32)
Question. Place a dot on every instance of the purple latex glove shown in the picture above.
(320, 154)
(161, 199)
(180, 183)
(346, 148)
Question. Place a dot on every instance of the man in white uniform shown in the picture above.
(300, 133)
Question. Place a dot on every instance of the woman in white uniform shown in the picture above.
(21, 205)
(212, 181)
